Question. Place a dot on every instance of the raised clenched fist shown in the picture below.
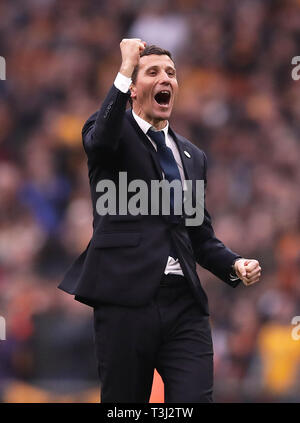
(130, 51)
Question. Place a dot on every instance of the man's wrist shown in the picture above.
(127, 69)
(233, 274)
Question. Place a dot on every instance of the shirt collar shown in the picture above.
(145, 126)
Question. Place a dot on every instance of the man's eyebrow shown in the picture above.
(171, 67)
(157, 67)
(152, 67)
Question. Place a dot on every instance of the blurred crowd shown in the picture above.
(237, 102)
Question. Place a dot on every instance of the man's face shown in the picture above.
(155, 88)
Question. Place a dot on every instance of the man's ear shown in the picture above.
(132, 91)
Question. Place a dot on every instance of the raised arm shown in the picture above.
(102, 130)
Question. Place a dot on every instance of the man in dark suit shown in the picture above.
(139, 269)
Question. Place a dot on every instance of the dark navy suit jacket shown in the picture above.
(126, 257)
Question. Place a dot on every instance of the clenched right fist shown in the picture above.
(130, 51)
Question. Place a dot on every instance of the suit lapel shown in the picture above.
(185, 152)
(187, 158)
(147, 143)
(186, 155)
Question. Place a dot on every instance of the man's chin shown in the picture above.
(162, 113)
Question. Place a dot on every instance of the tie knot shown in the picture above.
(158, 137)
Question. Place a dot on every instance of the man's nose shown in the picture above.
(165, 79)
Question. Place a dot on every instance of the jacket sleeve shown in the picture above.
(209, 251)
(102, 130)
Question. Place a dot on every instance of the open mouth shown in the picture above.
(163, 97)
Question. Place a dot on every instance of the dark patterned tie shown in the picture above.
(170, 169)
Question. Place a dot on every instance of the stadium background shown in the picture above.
(238, 102)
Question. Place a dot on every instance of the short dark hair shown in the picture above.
(147, 52)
